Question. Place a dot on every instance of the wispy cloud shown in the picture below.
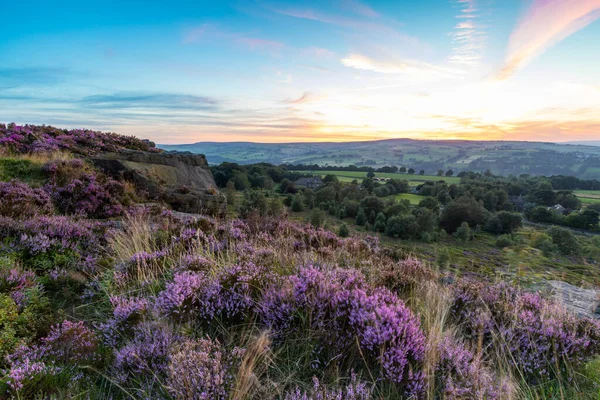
(416, 69)
(546, 23)
(360, 8)
(211, 31)
(306, 97)
(138, 100)
(468, 36)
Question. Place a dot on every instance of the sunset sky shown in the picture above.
(285, 71)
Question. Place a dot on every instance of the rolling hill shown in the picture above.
(501, 157)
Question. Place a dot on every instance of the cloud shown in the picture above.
(129, 100)
(546, 23)
(306, 97)
(34, 75)
(360, 8)
(468, 37)
(253, 43)
(417, 69)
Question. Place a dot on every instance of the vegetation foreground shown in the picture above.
(104, 298)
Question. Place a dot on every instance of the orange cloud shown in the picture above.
(546, 23)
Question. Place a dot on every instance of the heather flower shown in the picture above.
(70, 342)
(200, 370)
(147, 353)
(355, 390)
(19, 200)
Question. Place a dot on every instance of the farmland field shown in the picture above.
(348, 176)
(588, 196)
(413, 198)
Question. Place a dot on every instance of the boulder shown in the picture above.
(183, 180)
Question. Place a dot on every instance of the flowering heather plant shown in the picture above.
(201, 369)
(355, 390)
(147, 353)
(19, 200)
(70, 342)
(33, 138)
(461, 375)
(540, 339)
(41, 234)
(88, 196)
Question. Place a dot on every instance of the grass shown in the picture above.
(413, 198)
(349, 176)
(27, 167)
(588, 196)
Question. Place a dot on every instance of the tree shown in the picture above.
(361, 217)
(380, 222)
(287, 186)
(449, 172)
(430, 203)
(402, 226)
(317, 217)
(297, 205)
(503, 222)
(230, 193)
(329, 178)
(372, 204)
(343, 231)
(253, 201)
(540, 214)
(464, 209)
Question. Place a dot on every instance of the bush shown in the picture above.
(343, 231)
(297, 204)
(564, 240)
(543, 242)
(504, 241)
(464, 232)
(361, 217)
(317, 217)
(19, 200)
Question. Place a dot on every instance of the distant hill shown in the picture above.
(586, 143)
(500, 157)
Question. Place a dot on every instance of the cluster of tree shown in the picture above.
(587, 219)
(255, 176)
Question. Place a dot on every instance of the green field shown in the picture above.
(413, 198)
(588, 196)
(349, 176)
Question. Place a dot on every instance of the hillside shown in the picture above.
(107, 292)
(502, 158)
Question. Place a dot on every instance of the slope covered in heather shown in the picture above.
(102, 297)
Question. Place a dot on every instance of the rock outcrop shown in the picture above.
(182, 180)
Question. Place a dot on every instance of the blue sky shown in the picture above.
(276, 71)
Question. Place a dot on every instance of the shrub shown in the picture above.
(90, 197)
(564, 240)
(343, 231)
(464, 232)
(504, 241)
(19, 200)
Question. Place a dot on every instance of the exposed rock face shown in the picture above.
(584, 302)
(183, 180)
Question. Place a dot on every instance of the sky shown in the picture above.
(292, 71)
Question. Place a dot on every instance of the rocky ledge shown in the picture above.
(183, 180)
